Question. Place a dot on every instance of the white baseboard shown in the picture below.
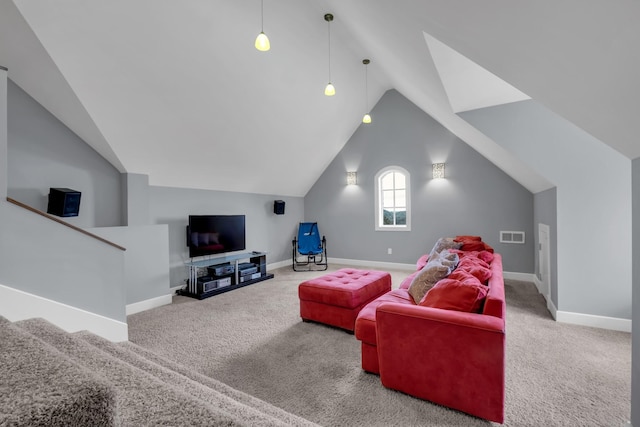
(279, 264)
(148, 304)
(17, 305)
(538, 283)
(602, 322)
(174, 290)
(523, 277)
(380, 265)
(552, 309)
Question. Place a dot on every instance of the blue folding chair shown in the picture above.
(308, 249)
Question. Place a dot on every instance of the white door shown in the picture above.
(544, 260)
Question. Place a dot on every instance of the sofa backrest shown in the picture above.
(494, 303)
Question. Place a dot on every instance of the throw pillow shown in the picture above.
(450, 259)
(426, 278)
(477, 268)
(452, 294)
(444, 243)
(481, 273)
(486, 256)
(488, 248)
(473, 243)
(473, 246)
(466, 238)
(467, 277)
(468, 260)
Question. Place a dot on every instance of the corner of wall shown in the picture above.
(3, 133)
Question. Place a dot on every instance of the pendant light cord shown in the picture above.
(366, 86)
(329, 32)
(262, 16)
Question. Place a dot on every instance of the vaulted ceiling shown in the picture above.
(176, 90)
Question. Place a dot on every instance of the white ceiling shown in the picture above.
(468, 85)
(176, 90)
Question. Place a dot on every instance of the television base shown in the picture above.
(201, 287)
(213, 292)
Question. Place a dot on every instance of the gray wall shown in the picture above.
(593, 184)
(135, 199)
(44, 153)
(146, 260)
(3, 132)
(475, 198)
(635, 352)
(545, 212)
(44, 258)
(265, 231)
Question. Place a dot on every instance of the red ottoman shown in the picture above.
(336, 298)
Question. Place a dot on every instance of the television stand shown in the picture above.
(225, 273)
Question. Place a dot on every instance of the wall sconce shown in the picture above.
(438, 170)
(352, 178)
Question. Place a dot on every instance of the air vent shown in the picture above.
(512, 237)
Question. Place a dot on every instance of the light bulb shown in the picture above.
(262, 42)
(329, 90)
(366, 118)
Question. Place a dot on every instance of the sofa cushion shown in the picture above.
(427, 277)
(422, 261)
(464, 276)
(406, 282)
(483, 255)
(486, 256)
(476, 267)
(453, 294)
(473, 260)
(481, 273)
(365, 330)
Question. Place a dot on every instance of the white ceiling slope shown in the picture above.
(33, 69)
(468, 85)
(177, 91)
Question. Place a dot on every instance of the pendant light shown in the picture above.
(262, 41)
(367, 117)
(329, 90)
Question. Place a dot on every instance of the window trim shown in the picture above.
(378, 207)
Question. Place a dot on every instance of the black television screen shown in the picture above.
(214, 234)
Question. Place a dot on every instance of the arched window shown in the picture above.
(393, 199)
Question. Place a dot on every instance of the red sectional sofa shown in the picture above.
(452, 358)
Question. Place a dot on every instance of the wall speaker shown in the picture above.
(63, 202)
(278, 207)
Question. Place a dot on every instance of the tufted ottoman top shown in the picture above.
(346, 287)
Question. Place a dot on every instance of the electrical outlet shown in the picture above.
(389, 251)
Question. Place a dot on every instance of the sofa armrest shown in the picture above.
(451, 358)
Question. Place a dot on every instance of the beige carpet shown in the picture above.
(252, 338)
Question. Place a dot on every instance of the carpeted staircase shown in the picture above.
(53, 378)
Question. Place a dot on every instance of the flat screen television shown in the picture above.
(214, 234)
